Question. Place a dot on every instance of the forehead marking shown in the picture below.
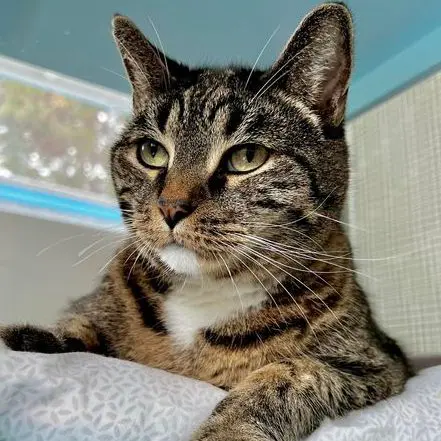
(303, 109)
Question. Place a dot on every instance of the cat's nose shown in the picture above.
(174, 211)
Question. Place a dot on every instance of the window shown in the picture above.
(55, 135)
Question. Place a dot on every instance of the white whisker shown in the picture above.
(140, 252)
(233, 282)
(287, 291)
(260, 55)
(263, 89)
(297, 232)
(116, 255)
(162, 48)
(302, 254)
(234, 250)
(114, 73)
(132, 59)
(85, 250)
(98, 250)
(276, 264)
(341, 222)
(58, 242)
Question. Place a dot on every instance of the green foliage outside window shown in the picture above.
(55, 139)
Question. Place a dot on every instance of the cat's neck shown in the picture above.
(199, 303)
(192, 300)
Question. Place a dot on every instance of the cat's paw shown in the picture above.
(215, 429)
(30, 339)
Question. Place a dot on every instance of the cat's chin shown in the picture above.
(181, 260)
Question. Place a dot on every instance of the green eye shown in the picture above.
(246, 158)
(152, 154)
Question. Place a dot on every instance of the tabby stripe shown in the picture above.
(235, 119)
(163, 115)
(181, 103)
(269, 203)
(313, 307)
(123, 190)
(220, 104)
(309, 169)
(146, 309)
(356, 368)
(156, 281)
(334, 133)
(201, 101)
(216, 183)
(256, 124)
(282, 185)
(126, 208)
(240, 341)
(297, 218)
(104, 346)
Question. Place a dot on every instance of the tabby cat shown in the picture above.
(236, 271)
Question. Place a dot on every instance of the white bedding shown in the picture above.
(80, 397)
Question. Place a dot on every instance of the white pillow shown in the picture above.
(80, 397)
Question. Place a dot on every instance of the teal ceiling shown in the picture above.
(73, 37)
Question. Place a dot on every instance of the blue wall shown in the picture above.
(74, 37)
(397, 41)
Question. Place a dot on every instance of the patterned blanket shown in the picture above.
(80, 397)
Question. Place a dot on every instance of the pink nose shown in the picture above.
(174, 211)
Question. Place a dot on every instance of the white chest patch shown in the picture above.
(201, 303)
(181, 260)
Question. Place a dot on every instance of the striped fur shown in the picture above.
(255, 290)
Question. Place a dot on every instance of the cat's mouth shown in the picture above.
(184, 259)
(190, 254)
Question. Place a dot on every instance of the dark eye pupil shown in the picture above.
(251, 151)
(153, 149)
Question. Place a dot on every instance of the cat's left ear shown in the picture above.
(148, 69)
(317, 62)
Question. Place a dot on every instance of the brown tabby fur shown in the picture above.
(311, 349)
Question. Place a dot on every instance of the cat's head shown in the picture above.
(227, 166)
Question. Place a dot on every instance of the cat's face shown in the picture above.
(220, 169)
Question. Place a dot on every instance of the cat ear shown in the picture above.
(317, 61)
(147, 68)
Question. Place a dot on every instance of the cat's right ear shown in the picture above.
(146, 66)
(316, 63)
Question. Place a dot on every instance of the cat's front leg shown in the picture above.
(73, 334)
(287, 401)
(28, 338)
